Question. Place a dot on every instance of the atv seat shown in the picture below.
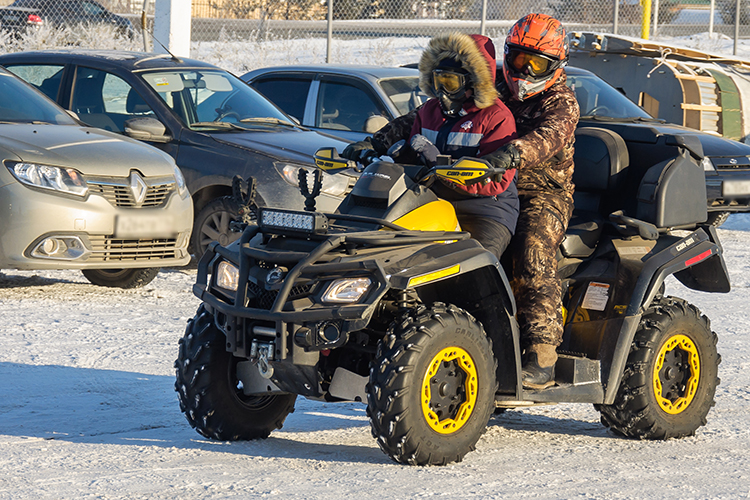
(601, 158)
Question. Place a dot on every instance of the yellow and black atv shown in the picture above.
(387, 302)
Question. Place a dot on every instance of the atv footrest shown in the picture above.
(578, 380)
(576, 370)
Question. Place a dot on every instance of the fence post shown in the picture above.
(646, 20)
(736, 27)
(144, 26)
(656, 16)
(482, 28)
(329, 35)
(172, 27)
(615, 16)
(711, 12)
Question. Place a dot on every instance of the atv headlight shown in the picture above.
(65, 180)
(346, 290)
(334, 185)
(227, 276)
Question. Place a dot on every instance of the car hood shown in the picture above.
(282, 143)
(713, 146)
(90, 151)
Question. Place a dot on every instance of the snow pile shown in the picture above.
(87, 410)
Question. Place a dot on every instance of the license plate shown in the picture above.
(735, 188)
(144, 226)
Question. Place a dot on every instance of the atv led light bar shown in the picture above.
(307, 222)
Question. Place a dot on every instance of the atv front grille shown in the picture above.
(260, 298)
(119, 193)
(107, 249)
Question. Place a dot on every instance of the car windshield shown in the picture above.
(598, 98)
(20, 103)
(214, 100)
(404, 93)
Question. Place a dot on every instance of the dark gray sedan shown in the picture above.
(213, 125)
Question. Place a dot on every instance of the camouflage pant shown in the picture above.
(537, 288)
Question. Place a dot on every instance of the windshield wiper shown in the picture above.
(622, 119)
(218, 124)
(274, 121)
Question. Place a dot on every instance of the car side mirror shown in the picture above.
(145, 128)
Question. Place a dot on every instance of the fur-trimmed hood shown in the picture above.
(477, 56)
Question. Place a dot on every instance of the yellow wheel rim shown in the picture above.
(676, 374)
(449, 390)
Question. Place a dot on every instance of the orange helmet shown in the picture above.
(536, 50)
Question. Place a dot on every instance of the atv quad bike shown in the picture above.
(385, 302)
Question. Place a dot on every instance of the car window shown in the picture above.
(213, 99)
(104, 100)
(288, 93)
(22, 104)
(91, 8)
(404, 93)
(45, 77)
(342, 106)
(598, 98)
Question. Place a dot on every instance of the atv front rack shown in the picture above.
(306, 267)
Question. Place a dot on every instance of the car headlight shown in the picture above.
(180, 180)
(707, 165)
(346, 290)
(227, 276)
(65, 180)
(334, 185)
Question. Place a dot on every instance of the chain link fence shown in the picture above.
(245, 34)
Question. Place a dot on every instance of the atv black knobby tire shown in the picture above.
(209, 392)
(121, 278)
(670, 376)
(432, 386)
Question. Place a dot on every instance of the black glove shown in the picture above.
(503, 158)
(359, 151)
(426, 150)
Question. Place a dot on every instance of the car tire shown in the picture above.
(121, 278)
(212, 224)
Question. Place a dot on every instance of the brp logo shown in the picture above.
(275, 275)
(138, 187)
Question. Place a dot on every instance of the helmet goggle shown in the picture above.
(450, 82)
(533, 64)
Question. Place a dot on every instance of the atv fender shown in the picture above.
(696, 260)
(473, 279)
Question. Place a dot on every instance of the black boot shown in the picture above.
(535, 376)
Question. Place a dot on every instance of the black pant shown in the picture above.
(493, 235)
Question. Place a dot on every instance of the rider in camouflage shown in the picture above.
(546, 114)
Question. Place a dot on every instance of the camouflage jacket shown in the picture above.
(545, 125)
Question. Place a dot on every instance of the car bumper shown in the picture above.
(97, 234)
(728, 191)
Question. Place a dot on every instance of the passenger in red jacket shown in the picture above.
(464, 118)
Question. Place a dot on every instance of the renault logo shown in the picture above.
(138, 187)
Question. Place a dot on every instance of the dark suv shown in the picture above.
(211, 122)
(22, 14)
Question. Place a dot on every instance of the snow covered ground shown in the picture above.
(88, 410)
